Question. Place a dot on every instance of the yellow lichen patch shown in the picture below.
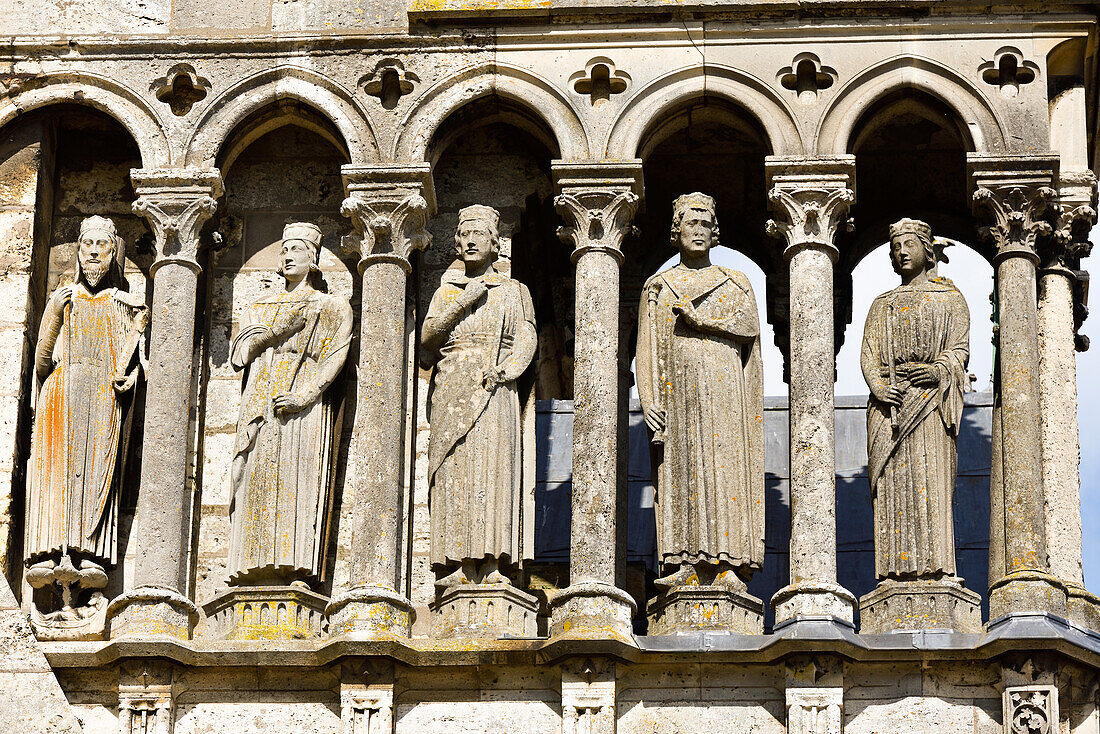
(438, 6)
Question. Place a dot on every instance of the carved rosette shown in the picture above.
(1014, 200)
(1030, 709)
(388, 209)
(176, 203)
(810, 199)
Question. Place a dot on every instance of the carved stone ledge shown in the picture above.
(691, 609)
(810, 198)
(388, 207)
(1014, 197)
(370, 611)
(901, 606)
(176, 202)
(267, 613)
(485, 611)
(151, 612)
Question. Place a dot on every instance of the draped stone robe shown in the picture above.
(76, 454)
(708, 378)
(282, 466)
(481, 505)
(912, 469)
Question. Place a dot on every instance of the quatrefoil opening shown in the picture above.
(181, 88)
(807, 77)
(599, 80)
(389, 82)
(1008, 71)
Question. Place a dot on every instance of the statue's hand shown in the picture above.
(894, 395)
(491, 377)
(472, 293)
(123, 383)
(61, 298)
(292, 402)
(923, 375)
(655, 418)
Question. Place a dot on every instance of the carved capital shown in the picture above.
(1014, 199)
(388, 207)
(176, 202)
(597, 202)
(810, 198)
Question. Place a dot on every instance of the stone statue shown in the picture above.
(293, 345)
(915, 349)
(479, 333)
(700, 382)
(87, 361)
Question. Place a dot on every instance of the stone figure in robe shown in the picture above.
(915, 349)
(87, 362)
(700, 382)
(292, 346)
(479, 334)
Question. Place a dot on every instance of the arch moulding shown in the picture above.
(538, 96)
(986, 133)
(106, 95)
(666, 93)
(282, 82)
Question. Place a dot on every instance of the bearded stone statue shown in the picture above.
(87, 362)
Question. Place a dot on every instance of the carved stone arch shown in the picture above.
(672, 91)
(283, 82)
(106, 95)
(537, 96)
(984, 131)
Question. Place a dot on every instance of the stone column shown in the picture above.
(597, 202)
(810, 198)
(388, 209)
(1059, 280)
(1012, 196)
(175, 203)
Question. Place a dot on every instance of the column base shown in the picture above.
(904, 606)
(814, 600)
(1083, 607)
(151, 612)
(690, 609)
(1027, 591)
(267, 613)
(485, 611)
(592, 610)
(372, 611)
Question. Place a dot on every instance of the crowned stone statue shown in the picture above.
(479, 335)
(87, 361)
(292, 347)
(700, 382)
(916, 344)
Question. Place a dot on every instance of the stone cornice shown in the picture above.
(810, 198)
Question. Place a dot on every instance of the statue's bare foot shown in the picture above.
(686, 576)
(730, 580)
(456, 578)
(299, 584)
(496, 577)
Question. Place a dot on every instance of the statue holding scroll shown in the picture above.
(87, 362)
(292, 347)
(701, 386)
(915, 349)
(479, 334)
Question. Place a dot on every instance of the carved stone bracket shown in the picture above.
(810, 199)
(388, 206)
(588, 696)
(1014, 197)
(176, 203)
(366, 697)
(145, 698)
(815, 695)
(597, 202)
(1030, 709)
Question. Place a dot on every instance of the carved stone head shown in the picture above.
(99, 251)
(477, 239)
(912, 247)
(694, 223)
(301, 248)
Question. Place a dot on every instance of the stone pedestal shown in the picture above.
(690, 609)
(372, 611)
(267, 613)
(902, 606)
(485, 611)
(149, 611)
(1082, 607)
